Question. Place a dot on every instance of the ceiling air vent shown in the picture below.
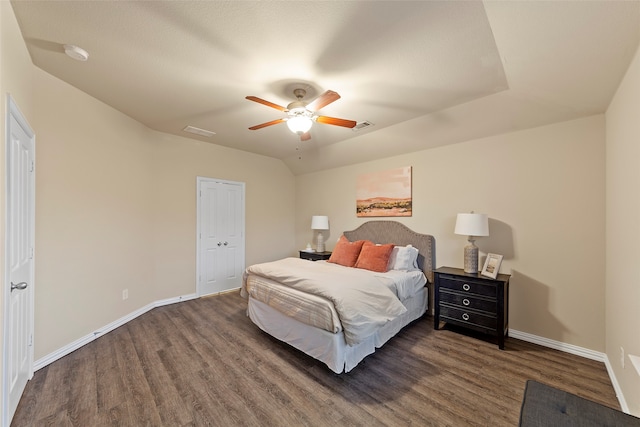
(362, 125)
(198, 131)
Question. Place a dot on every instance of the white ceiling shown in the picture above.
(425, 73)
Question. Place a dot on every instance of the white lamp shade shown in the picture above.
(472, 224)
(299, 124)
(319, 222)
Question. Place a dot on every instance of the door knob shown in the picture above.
(19, 286)
(219, 243)
(226, 243)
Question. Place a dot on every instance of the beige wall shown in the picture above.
(117, 210)
(15, 75)
(94, 214)
(623, 233)
(269, 204)
(543, 190)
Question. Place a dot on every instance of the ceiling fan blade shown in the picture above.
(305, 136)
(267, 103)
(264, 125)
(323, 100)
(336, 122)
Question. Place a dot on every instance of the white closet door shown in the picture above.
(220, 235)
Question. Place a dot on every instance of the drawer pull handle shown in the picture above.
(465, 316)
(466, 301)
(466, 287)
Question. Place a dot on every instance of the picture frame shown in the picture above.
(384, 193)
(492, 265)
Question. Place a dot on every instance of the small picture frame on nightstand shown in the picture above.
(492, 265)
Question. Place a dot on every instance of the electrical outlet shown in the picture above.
(622, 357)
(125, 294)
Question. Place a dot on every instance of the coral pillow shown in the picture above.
(374, 257)
(346, 252)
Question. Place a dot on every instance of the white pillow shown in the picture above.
(403, 258)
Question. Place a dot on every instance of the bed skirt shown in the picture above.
(331, 348)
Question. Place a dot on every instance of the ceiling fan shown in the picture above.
(301, 115)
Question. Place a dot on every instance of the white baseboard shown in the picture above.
(578, 351)
(616, 387)
(557, 345)
(52, 357)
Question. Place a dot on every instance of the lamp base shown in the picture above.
(320, 245)
(471, 259)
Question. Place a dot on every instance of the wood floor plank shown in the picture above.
(82, 388)
(109, 382)
(202, 362)
(165, 395)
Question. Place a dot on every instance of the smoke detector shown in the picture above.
(76, 52)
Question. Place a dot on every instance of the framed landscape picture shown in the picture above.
(492, 265)
(386, 193)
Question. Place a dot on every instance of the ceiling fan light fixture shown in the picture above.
(301, 115)
(299, 124)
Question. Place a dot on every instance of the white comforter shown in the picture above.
(363, 300)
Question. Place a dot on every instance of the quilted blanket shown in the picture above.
(364, 301)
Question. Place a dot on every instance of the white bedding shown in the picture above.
(405, 283)
(364, 300)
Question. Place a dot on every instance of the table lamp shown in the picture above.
(320, 223)
(472, 225)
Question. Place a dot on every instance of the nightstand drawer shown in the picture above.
(468, 301)
(467, 286)
(468, 316)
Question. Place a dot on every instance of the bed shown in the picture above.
(285, 300)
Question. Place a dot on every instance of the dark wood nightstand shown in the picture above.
(315, 256)
(472, 301)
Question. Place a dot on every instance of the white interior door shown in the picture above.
(220, 235)
(19, 276)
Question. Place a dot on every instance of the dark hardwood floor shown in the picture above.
(203, 362)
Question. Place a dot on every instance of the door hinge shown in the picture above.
(30, 340)
(30, 253)
(32, 166)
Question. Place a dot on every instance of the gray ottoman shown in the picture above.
(547, 406)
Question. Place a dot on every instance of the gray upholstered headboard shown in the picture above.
(400, 235)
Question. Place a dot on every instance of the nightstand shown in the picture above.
(315, 256)
(472, 301)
